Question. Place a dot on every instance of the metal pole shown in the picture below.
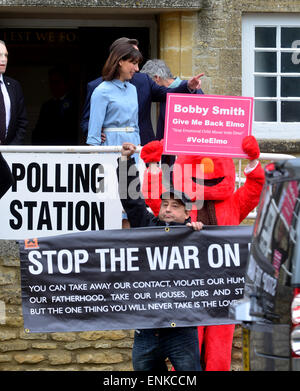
(105, 149)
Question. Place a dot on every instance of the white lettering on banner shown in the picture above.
(158, 260)
(74, 294)
(66, 261)
(126, 259)
(151, 284)
(54, 288)
(223, 256)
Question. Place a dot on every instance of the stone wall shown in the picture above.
(106, 4)
(217, 50)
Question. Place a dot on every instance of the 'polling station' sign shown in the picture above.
(56, 193)
(137, 278)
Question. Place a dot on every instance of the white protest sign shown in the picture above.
(58, 193)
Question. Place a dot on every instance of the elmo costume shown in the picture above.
(214, 185)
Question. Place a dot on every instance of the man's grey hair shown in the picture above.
(157, 67)
(3, 43)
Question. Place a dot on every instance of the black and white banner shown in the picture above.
(136, 278)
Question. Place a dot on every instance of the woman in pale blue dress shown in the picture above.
(114, 104)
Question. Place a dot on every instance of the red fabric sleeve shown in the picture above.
(152, 189)
(248, 195)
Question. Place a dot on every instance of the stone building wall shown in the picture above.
(211, 41)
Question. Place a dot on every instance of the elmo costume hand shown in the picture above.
(250, 147)
(152, 151)
(152, 186)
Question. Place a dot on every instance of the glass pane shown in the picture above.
(265, 86)
(290, 86)
(290, 111)
(290, 62)
(290, 35)
(265, 111)
(265, 37)
(265, 62)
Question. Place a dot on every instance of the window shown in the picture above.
(271, 73)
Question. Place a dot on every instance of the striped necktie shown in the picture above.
(2, 117)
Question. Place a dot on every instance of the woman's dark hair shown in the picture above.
(123, 51)
(132, 42)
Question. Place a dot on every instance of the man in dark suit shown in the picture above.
(14, 106)
(57, 121)
(147, 91)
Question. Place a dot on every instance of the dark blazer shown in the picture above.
(160, 130)
(147, 91)
(18, 116)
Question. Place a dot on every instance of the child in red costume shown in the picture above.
(222, 205)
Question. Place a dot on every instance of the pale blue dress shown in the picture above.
(114, 104)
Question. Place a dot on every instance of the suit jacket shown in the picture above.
(147, 91)
(18, 116)
(57, 122)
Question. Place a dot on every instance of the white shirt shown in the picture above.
(6, 100)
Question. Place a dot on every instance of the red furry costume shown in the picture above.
(222, 206)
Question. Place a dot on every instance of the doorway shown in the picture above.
(81, 52)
